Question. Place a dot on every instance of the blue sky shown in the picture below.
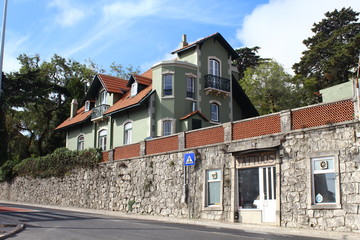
(143, 32)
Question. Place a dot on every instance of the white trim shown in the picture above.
(310, 198)
(206, 206)
(216, 59)
(77, 141)
(124, 130)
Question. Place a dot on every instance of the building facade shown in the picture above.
(197, 89)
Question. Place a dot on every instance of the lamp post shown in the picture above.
(2, 45)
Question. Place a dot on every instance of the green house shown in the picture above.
(196, 89)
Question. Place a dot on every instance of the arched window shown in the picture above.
(214, 67)
(128, 133)
(214, 110)
(102, 139)
(87, 106)
(80, 143)
(167, 127)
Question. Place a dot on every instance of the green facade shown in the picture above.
(169, 113)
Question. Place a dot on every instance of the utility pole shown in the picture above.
(2, 45)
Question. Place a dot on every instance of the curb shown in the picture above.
(19, 227)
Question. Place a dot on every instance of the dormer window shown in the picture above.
(134, 89)
(103, 97)
(87, 106)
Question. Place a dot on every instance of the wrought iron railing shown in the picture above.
(99, 111)
(215, 82)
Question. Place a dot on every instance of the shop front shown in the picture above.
(257, 197)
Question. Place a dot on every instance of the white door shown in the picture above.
(267, 180)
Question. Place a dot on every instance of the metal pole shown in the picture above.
(2, 44)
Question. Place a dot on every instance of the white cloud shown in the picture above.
(280, 26)
(11, 64)
(68, 14)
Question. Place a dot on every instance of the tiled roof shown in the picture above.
(148, 73)
(219, 37)
(80, 117)
(127, 101)
(113, 84)
(197, 112)
(195, 43)
(142, 79)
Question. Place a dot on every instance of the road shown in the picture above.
(45, 223)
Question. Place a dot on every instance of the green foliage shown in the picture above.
(57, 164)
(270, 88)
(120, 71)
(130, 205)
(6, 170)
(332, 53)
(247, 58)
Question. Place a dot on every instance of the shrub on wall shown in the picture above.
(57, 164)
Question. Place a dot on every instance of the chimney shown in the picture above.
(183, 42)
(73, 108)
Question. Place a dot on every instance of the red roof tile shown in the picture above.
(193, 113)
(142, 79)
(128, 101)
(80, 116)
(148, 73)
(195, 43)
(113, 84)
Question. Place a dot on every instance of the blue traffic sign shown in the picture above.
(189, 159)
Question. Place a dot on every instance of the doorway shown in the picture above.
(257, 192)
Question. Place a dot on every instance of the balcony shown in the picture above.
(217, 85)
(98, 111)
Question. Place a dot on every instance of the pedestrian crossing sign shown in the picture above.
(189, 159)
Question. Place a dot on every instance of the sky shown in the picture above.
(144, 32)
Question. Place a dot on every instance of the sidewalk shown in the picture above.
(9, 227)
(12, 227)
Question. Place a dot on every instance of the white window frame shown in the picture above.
(128, 126)
(102, 139)
(165, 83)
(190, 88)
(134, 89)
(311, 199)
(214, 66)
(206, 204)
(87, 106)
(217, 119)
(164, 132)
(81, 144)
(103, 97)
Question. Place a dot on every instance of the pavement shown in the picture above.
(10, 226)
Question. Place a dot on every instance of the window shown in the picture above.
(102, 139)
(249, 190)
(213, 179)
(103, 96)
(167, 127)
(214, 109)
(323, 180)
(168, 85)
(87, 106)
(80, 143)
(214, 67)
(134, 89)
(190, 92)
(128, 133)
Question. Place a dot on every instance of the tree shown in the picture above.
(44, 91)
(332, 52)
(270, 88)
(247, 58)
(120, 71)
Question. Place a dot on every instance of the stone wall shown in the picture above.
(296, 209)
(154, 184)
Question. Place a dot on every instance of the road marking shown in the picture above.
(11, 209)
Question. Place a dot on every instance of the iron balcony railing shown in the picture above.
(215, 82)
(99, 111)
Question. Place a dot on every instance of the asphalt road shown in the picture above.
(45, 223)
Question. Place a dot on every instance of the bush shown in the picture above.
(6, 170)
(57, 164)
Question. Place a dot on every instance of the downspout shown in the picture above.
(231, 91)
(357, 90)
